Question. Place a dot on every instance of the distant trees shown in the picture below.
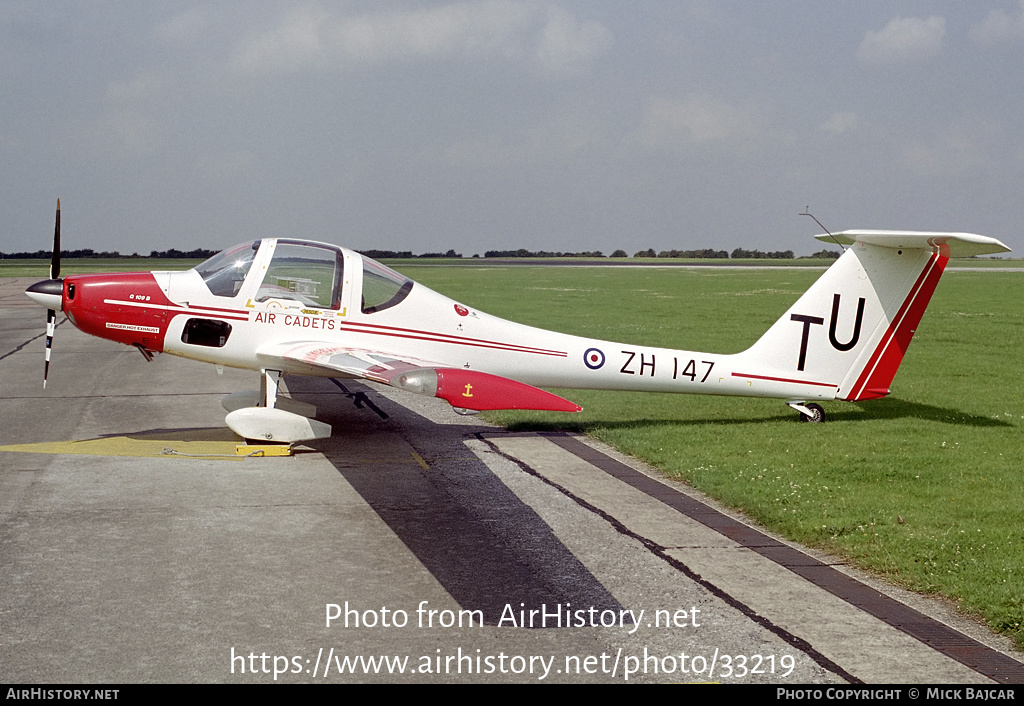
(407, 254)
(202, 254)
(825, 255)
(449, 254)
(70, 254)
(523, 252)
(707, 253)
(759, 255)
(174, 254)
(704, 254)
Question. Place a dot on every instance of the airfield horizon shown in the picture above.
(88, 265)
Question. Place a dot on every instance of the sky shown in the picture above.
(505, 124)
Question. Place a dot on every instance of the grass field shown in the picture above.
(923, 487)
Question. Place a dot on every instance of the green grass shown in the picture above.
(923, 487)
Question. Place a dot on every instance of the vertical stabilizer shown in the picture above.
(850, 330)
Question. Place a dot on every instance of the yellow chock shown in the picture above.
(258, 450)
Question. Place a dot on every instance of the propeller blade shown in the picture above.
(51, 325)
(55, 257)
(51, 314)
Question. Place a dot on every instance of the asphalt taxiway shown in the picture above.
(136, 547)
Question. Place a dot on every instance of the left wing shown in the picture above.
(463, 389)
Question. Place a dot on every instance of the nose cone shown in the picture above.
(49, 293)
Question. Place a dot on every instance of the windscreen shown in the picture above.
(224, 272)
(303, 272)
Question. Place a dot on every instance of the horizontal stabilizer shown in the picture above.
(949, 244)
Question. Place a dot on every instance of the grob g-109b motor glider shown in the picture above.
(286, 306)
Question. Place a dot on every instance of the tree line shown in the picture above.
(87, 253)
(202, 254)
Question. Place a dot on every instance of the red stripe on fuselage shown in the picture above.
(225, 312)
(419, 335)
(881, 368)
(795, 382)
(395, 332)
(230, 314)
(450, 338)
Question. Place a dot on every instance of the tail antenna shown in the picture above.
(807, 212)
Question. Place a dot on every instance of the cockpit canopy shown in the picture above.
(383, 288)
(310, 274)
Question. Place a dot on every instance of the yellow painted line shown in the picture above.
(209, 443)
(419, 459)
(260, 450)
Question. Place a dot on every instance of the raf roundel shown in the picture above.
(593, 358)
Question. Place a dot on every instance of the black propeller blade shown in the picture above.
(51, 314)
(55, 257)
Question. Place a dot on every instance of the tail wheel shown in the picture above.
(817, 414)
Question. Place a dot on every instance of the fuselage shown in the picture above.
(278, 291)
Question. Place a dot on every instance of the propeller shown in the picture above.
(51, 314)
(50, 293)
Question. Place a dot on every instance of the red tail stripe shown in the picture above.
(885, 360)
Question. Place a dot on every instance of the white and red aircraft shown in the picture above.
(286, 306)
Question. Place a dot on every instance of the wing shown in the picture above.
(462, 388)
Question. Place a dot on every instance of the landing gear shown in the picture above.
(264, 416)
(808, 412)
(817, 414)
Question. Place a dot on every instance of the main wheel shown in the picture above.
(817, 416)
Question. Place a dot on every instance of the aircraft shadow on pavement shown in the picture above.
(482, 543)
(888, 408)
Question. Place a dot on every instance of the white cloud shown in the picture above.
(295, 43)
(999, 26)
(948, 154)
(182, 28)
(314, 37)
(839, 123)
(695, 119)
(557, 138)
(123, 133)
(566, 47)
(904, 39)
(136, 91)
